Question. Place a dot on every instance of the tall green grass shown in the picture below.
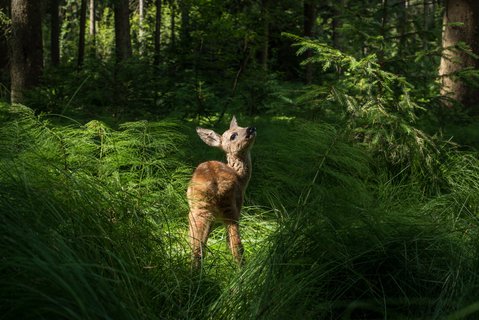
(360, 242)
(83, 235)
(339, 261)
(94, 225)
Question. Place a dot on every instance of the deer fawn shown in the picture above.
(216, 189)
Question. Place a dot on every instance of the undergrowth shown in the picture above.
(94, 225)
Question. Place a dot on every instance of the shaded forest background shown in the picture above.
(364, 199)
(199, 58)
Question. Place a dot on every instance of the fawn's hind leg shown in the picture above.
(234, 241)
(200, 226)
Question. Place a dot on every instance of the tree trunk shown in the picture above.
(265, 46)
(81, 37)
(185, 23)
(26, 47)
(141, 31)
(454, 60)
(384, 18)
(309, 21)
(156, 60)
(92, 18)
(427, 21)
(55, 33)
(172, 25)
(384, 22)
(122, 30)
(338, 8)
(402, 26)
(93, 27)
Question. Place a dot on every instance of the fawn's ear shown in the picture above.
(233, 123)
(210, 137)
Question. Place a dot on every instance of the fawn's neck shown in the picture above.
(241, 163)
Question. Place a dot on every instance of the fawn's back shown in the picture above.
(214, 187)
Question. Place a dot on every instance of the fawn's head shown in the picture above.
(235, 140)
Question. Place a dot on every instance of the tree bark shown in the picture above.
(55, 33)
(141, 31)
(384, 18)
(92, 18)
(265, 14)
(429, 9)
(93, 27)
(156, 60)
(309, 21)
(122, 30)
(402, 26)
(173, 25)
(336, 22)
(185, 22)
(384, 22)
(453, 60)
(26, 48)
(81, 37)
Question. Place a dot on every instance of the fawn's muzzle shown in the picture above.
(250, 132)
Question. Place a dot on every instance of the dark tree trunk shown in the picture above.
(93, 27)
(384, 22)
(185, 22)
(384, 18)
(454, 60)
(55, 33)
(156, 60)
(265, 15)
(141, 30)
(402, 27)
(309, 20)
(427, 22)
(26, 47)
(173, 25)
(122, 30)
(81, 37)
(338, 7)
(92, 18)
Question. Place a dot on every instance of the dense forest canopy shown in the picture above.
(364, 197)
(202, 57)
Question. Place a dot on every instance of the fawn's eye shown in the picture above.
(233, 136)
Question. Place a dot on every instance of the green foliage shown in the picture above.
(357, 245)
(329, 154)
(94, 224)
(5, 23)
(378, 106)
(83, 237)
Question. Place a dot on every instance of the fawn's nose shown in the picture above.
(250, 132)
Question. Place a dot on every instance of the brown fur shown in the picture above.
(216, 189)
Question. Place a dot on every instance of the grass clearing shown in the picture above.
(94, 225)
